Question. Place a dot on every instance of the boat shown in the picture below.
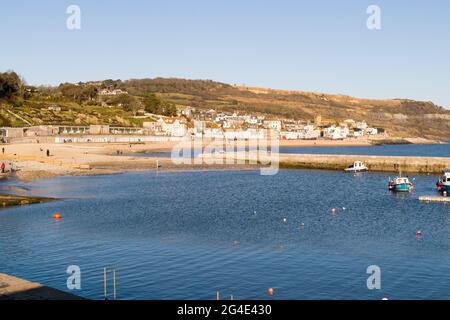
(400, 184)
(357, 166)
(443, 184)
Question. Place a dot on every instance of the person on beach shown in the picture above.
(3, 167)
(48, 153)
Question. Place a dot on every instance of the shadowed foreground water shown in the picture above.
(188, 235)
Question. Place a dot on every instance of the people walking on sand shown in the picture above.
(12, 167)
(2, 167)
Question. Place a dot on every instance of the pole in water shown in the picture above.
(114, 282)
(217, 296)
(231, 298)
(104, 283)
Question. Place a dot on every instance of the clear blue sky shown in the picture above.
(315, 45)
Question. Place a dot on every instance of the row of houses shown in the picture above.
(223, 125)
(288, 128)
(350, 128)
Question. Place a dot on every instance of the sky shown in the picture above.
(321, 46)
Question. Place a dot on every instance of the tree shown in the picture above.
(127, 102)
(152, 104)
(89, 93)
(80, 92)
(71, 91)
(169, 109)
(10, 84)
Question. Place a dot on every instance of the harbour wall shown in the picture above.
(393, 164)
(374, 163)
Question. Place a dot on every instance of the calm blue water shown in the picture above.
(188, 235)
(425, 150)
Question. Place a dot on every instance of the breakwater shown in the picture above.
(374, 163)
(395, 164)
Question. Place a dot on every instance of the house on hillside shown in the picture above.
(115, 92)
(173, 127)
(54, 108)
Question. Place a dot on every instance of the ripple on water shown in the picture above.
(188, 235)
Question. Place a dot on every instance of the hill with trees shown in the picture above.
(90, 103)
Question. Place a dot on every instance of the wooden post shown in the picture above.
(104, 283)
(114, 281)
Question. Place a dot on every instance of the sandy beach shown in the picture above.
(33, 163)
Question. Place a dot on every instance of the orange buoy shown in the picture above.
(57, 216)
(270, 291)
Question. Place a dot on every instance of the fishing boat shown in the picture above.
(443, 184)
(357, 166)
(400, 184)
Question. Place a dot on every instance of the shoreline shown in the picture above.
(11, 200)
(104, 158)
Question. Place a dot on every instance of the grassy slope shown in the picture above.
(404, 118)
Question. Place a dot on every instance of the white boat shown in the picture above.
(358, 166)
(443, 183)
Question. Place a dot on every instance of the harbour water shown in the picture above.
(417, 150)
(188, 235)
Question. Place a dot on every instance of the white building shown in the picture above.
(336, 133)
(115, 92)
(167, 126)
(362, 125)
(186, 111)
(312, 135)
(199, 126)
(172, 127)
(249, 134)
(210, 133)
(292, 135)
(272, 124)
(372, 131)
